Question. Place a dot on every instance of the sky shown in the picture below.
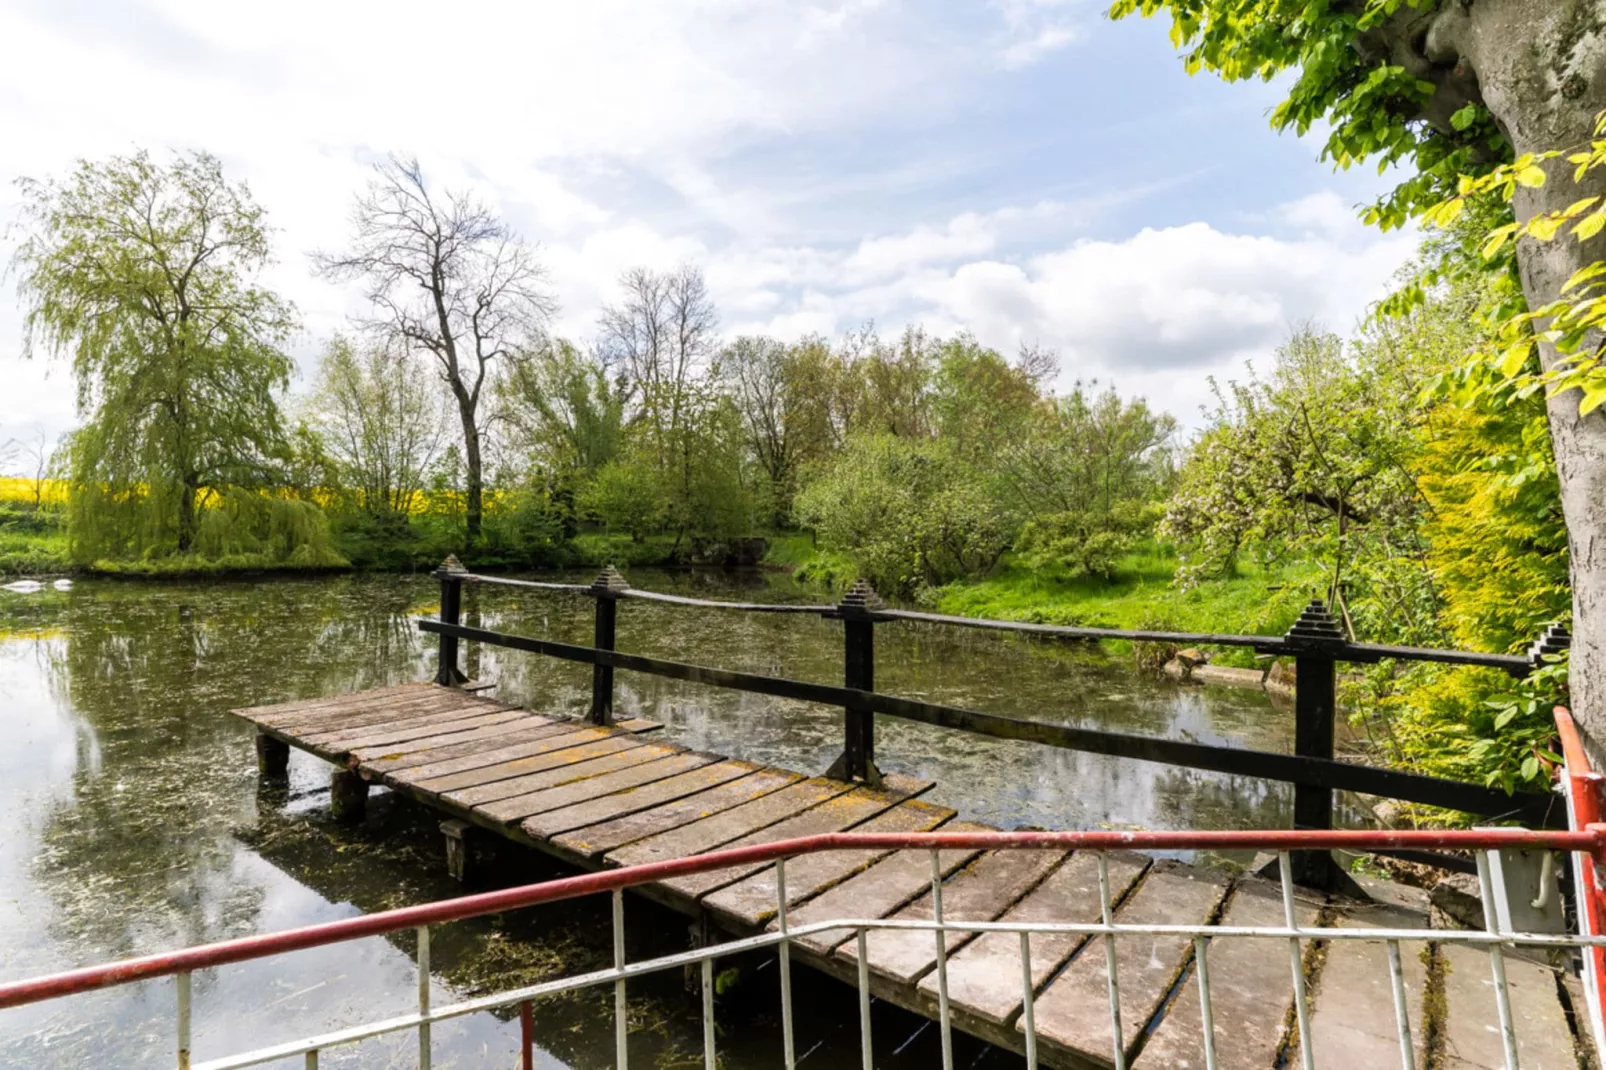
(1026, 170)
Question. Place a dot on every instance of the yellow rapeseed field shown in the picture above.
(20, 489)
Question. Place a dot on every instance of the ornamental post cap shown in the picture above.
(861, 598)
(610, 580)
(1316, 626)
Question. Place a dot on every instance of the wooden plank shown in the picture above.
(1352, 1022)
(1251, 991)
(516, 808)
(722, 828)
(638, 725)
(278, 710)
(751, 901)
(1472, 1023)
(980, 892)
(631, 800)
(596, 840)
(891, 883)
(362, 711)
(488, 731)
(514, 769)
(555, 770)
(434, 724)
(834, 815)
(428, 762)
(1073, 1012)
(984, 978)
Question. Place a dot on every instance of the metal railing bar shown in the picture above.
(511, 997)
(1028, 1000)
(423, 998)
(1072, 632)
(1265, 765)
(18, 993)
(944, 1023)
(1207, 1016)
(183, 1022)
(508, 581)
(1402, 1013)
(866, 1050)
(1349, 651)
(1492, 922)
(621, 1019)
(1117, 1043)
(785, 952)
(710, 1057)
(1296, 960)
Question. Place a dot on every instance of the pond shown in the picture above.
(136, 822)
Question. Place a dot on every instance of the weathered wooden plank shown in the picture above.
(1073, 1012)
(1352, 1022)
(1251, 991)
(515, 808)
(1472, 1038)
(638, 725)
(631, 800)
(361, 710)
(487, 731)
(984, 977)
(279, 710)
(434, 724)
(596, 840)
(722, 828)
(892, 882)
(834, 815)
(555, 770)
(980, 892)
(751, 901)
(514, 769)
(428, 762)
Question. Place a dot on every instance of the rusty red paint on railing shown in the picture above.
(1588, 839)
(1586, 795)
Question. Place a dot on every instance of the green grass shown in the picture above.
(28, 553)
(790, 550)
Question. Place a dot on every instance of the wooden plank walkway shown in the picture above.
(613, 796)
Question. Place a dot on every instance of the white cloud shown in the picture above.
(1034, 29)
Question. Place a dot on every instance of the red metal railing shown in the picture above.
(1590, 839)
(1585, 790)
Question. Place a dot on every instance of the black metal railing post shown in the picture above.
(1315, 640)
(450, 573)
(604, 592)
(1555, 639)
(857, 612)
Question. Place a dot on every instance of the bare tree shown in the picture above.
(447, 276)
(39, 451)
(662, 335)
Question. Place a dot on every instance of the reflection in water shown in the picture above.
(136, 823)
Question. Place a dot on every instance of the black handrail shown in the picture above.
(1314, 642)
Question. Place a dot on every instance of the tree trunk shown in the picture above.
(1541, 66)
(187, 492)
(474, 473)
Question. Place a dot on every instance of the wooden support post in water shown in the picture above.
(273, 756)
(450, 573)
(605, 593)
(459, 850)
(857, 610)
(1315, 639)
(348, 797)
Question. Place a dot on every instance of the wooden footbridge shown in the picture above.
(605, 792)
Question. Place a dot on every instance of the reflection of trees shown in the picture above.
(137, 855)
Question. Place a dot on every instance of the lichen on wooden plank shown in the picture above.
(751, 901)
(833, 815)
(1251, 989)
(515, 808)
(722, 828)
(980, 892)
(444, 759)
(1073, 1012)
(890, 883)
(1352, 1022)
(984, 978)
(508, 774)
(595, 811)
(556, 770)
(598, 839)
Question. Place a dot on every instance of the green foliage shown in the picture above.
(908, 513)
(1085, 544)
(625, 496)
(145, 275)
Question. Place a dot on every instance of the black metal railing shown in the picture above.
(1315, 642)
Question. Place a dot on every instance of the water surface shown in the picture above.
(136, 822)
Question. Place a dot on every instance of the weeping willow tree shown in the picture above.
(145, 275)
